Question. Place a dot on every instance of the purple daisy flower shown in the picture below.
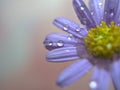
(96, 44)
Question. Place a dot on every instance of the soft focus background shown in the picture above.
(23, 27)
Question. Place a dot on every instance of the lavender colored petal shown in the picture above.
(117, 15)
(62, 54)
(74, 72)
(83, 13)
(110, 10)
(96, 9)
(70, 27)
(115, 73)
(82, 51)
(100, 79)
(57, 40)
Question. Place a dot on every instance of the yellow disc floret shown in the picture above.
(103, 41)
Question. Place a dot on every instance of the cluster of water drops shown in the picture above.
(52, 44)
(77, 31)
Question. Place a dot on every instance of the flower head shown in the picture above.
(97, 44)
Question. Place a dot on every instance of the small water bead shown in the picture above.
(100, 4)
(70, 37)
(111, 14)
(93, 85)
(65, 28)
(77, 30)
(92, 13)
(50, 43)
(81, 31)
(100, 24)
(82, 8)
(60, 43)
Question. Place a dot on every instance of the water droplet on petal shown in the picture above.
(93, 85)
(100, 24)
(60, 43)
(77, 30)
(111, 14)
(65, 28)
(82, 8)
(100, 4)
(69, 37)
(92, 13)
(50, 43)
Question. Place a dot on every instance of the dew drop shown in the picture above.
(100, 24)
(50, 43)
(100, 4)
(77, 30)
(60, 43)
(65, 28)
(69, 37)
(93, 85)
(82, 8)
(92, 13)
(111, 14)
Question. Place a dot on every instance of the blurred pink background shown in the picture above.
(24, 24)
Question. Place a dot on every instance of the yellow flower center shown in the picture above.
(103, 41)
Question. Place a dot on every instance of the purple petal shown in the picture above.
(111, 7)
(82, 51)
(100, 79)
(115, 73)
(62, 54)
(96, 8)
(56, 40)
(117, 15)
(70, 27)
(74, 72)
(83, 13)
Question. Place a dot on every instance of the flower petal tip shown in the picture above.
(60, 84)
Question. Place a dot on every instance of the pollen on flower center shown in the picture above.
(103, 41)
